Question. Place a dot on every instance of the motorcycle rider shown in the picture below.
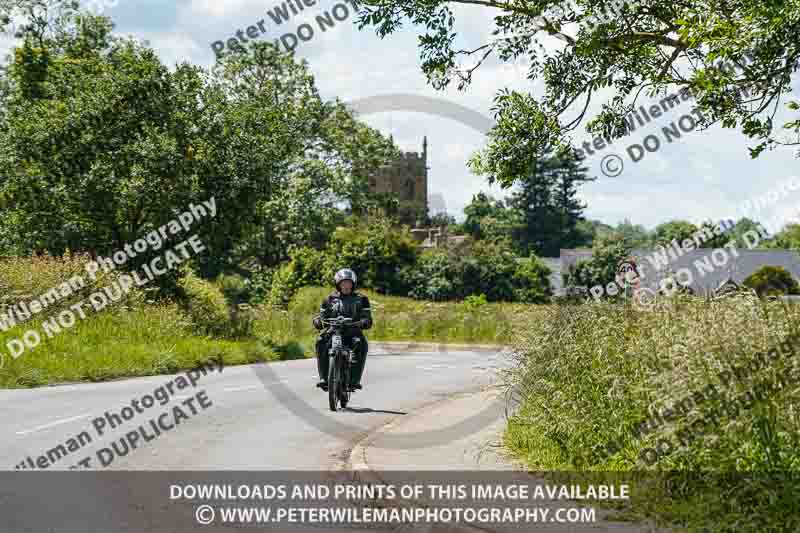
(344, 302)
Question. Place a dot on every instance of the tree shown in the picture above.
(735, 58)
(772, 281)
(490, 219)
(677, 230)
(601, 269)
(633, 235)
(788, 238)
(546, 198)
(442, 219)
(100, 143)
(734, 234)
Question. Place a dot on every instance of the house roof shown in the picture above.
(702, 281)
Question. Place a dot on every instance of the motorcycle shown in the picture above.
(342, 359)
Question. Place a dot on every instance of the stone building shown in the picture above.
(407, 178)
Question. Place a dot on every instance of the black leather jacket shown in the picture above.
(354, 305)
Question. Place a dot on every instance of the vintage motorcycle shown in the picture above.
(342, 358)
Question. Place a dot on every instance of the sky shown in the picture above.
(703, 175)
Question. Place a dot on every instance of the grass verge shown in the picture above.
(591, 378)
(139, 338)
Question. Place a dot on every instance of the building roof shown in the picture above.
(698, 262)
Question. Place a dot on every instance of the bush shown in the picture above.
(488, 268)
(473, 303)
(234, 287)
(260, 284)
(377, 253)
(433, 277)
(601, 269)
(772, 281)
(207, 308)
(307, 268)
(532, 282)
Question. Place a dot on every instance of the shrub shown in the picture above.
(307, 268)
(260, 284)
(532, 282)
(207, 308)
(772, 281)
(473, 302)
(487, 268)
(433, 277)
(234, 287)
(601, 269)
(377, 253)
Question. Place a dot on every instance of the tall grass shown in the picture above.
(123, 343)
(588, 374)
(138, 337)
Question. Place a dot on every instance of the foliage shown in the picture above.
(442, 219)
(375, 250)
(488, 269)
(487, 218)
(532, 281)
(204, 304)
(788, 238)
(308, 267)
(542, 215)
(546, 199)
(677, 230)
(736, 59)
(234, 287)
(473, 302)
(23, 279)
(588, 376)
(100, 143)
(434, 277)
(601, 269)
(632, 235)
(772, 281)
(209, 311)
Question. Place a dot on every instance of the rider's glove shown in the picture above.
(317, 323)
(364, 323)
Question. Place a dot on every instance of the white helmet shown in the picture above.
(344, 274)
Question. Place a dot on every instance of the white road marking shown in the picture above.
(249, 387)
(53, 424)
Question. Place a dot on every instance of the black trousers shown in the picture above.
(323, 358)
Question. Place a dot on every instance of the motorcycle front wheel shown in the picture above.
(334, 382)
(344, 397)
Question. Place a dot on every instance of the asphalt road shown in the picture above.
(261, 417)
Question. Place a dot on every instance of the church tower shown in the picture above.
(406, 177)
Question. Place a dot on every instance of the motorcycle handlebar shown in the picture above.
(340, 321)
